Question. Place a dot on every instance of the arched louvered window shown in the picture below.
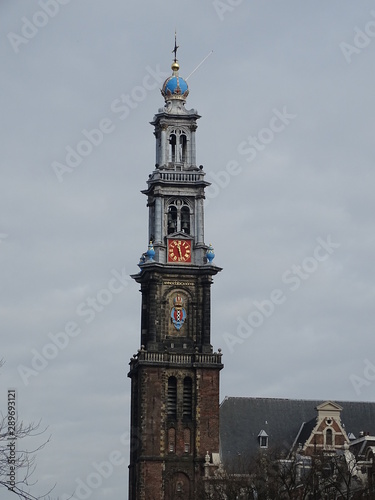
(188, 398)
(172, 398)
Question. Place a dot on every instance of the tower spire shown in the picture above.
(175, 374)
(175, 87)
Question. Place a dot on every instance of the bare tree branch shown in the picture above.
(17, 465)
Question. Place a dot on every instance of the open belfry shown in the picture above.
(175, 374)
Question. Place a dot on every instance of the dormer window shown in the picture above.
(263, 439)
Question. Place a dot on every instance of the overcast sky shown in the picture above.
(287, 140)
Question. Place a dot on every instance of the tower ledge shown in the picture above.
(175, 360)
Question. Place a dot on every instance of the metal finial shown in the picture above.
(175, 47)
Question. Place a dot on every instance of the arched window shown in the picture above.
(172, 398)
(178, 146)
(329, 437)
(188, 398)
(179, 217)
(182, 152)
(172, 219)
(172, 148)
(185, 219)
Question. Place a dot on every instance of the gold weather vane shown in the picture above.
(175, 46)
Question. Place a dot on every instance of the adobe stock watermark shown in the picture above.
(59, 341)
(121, 107)
(225, 7)
(249, 148)
(292, 278)
(102, 471)
(362, 39)
(11, 479)
(364, 380)
(31, 27)
(94, 480)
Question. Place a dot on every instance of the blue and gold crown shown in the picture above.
(175, 87)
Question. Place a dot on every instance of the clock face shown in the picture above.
(179, 251)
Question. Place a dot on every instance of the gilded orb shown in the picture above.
(175, 66)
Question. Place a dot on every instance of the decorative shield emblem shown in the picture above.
(178, 313)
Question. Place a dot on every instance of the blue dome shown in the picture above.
(175, 87)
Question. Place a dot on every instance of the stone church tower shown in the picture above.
(175, 374)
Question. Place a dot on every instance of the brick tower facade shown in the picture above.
(175, 374)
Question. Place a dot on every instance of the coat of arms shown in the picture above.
(178, 313)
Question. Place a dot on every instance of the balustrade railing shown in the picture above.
(178, 176)
(175, 358)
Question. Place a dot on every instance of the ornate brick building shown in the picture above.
(175, 375)
(249, 425)
(324, 449)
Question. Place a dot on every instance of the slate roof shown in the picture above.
(241, 420)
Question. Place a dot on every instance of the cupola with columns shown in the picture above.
(176, 187)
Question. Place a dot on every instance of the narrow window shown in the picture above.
(172, 398)
(172, 147)
(329, 437)
(263, 439)
(179, 488)
(172, 440)
(185, 219)
(187, 398)
(182, 148)
(172, 219)
(187, 440)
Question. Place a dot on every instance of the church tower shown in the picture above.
(175, 374)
